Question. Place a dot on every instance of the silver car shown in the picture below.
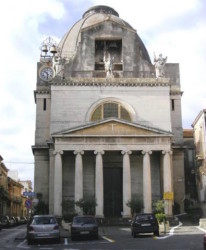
(43, 227)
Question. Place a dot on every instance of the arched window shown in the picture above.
(110, 109)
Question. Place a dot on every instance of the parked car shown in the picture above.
(0, 226)
(84, 225)
(144, 223)
(43, 227)
(23, 220)
(13, 221)
(5, 222)
(18, 220)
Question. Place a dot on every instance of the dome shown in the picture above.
(92, 17)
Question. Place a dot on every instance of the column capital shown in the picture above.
(55, 152)
(144, 152)
(124, 152)
(96, 152)
(76, 152)
(167, 152)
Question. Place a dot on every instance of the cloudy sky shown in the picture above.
(175, 28)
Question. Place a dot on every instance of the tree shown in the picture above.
(41, 208)
(87, 204)
(135, 204)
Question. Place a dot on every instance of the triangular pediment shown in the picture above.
(113, 127)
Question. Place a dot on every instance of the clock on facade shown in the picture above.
(46, 73)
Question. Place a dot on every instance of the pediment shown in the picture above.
(113, 127)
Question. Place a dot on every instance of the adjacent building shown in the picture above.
(199, 129)
(108, 121)
(12, 200)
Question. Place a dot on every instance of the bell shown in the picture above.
(53, 49)
(44, 48)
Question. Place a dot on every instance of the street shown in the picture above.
(182, 237)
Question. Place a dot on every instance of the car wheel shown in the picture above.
(73, 238)
(96, 237)
(29, 241)
(134, 234)
(156, 233)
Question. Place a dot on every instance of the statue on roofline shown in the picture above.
(159, 65)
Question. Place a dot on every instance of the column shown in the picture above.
(99, 184)
(58, 183)
(147, 183)
(167, 181)
(51, 181)
(78, 182)
(126, 183)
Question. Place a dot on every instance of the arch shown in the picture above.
(123, 107)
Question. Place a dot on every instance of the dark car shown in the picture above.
(85, 225)
(5, 222)
(43, 227)
(144, 223)
(13, 221)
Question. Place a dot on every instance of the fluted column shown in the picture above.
(167, 180)
(126, 183)
(147, 183)
(58, 183)
(99, 186)
(51, 180)
(78, 183)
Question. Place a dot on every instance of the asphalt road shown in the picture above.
(111, 238)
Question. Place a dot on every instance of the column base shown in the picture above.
(99, 216)
(126, 216)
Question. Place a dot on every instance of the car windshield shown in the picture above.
(83, 220)
(43, 220)
(144, 217)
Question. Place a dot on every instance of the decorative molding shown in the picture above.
(167, 152)
(42, 92)
(123, 152)
(128, 82)
(55, 152)
(96, 152)
(81, 152)
(146, 152)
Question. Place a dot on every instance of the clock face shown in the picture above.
(46, 73)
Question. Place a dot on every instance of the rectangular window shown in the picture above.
(44, 105)
(173, 104)
(110, 110)
(108, 47)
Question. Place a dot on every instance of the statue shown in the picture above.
(159, 65)
(58, 65)
(108, 65)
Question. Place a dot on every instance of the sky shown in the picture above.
(175, 28)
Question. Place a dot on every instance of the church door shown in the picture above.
(112, 191)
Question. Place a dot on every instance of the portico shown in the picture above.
(105, 153)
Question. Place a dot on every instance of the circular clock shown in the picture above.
(46, 73)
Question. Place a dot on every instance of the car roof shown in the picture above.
(43, 215)
(84, 216)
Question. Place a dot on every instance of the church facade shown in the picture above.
(108, 121)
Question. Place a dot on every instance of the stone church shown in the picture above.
(108, 120)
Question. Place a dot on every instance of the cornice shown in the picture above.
(129, 82)
(42, 92)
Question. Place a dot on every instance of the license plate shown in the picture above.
(145, 225)
(84, 232)
(42, 234)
